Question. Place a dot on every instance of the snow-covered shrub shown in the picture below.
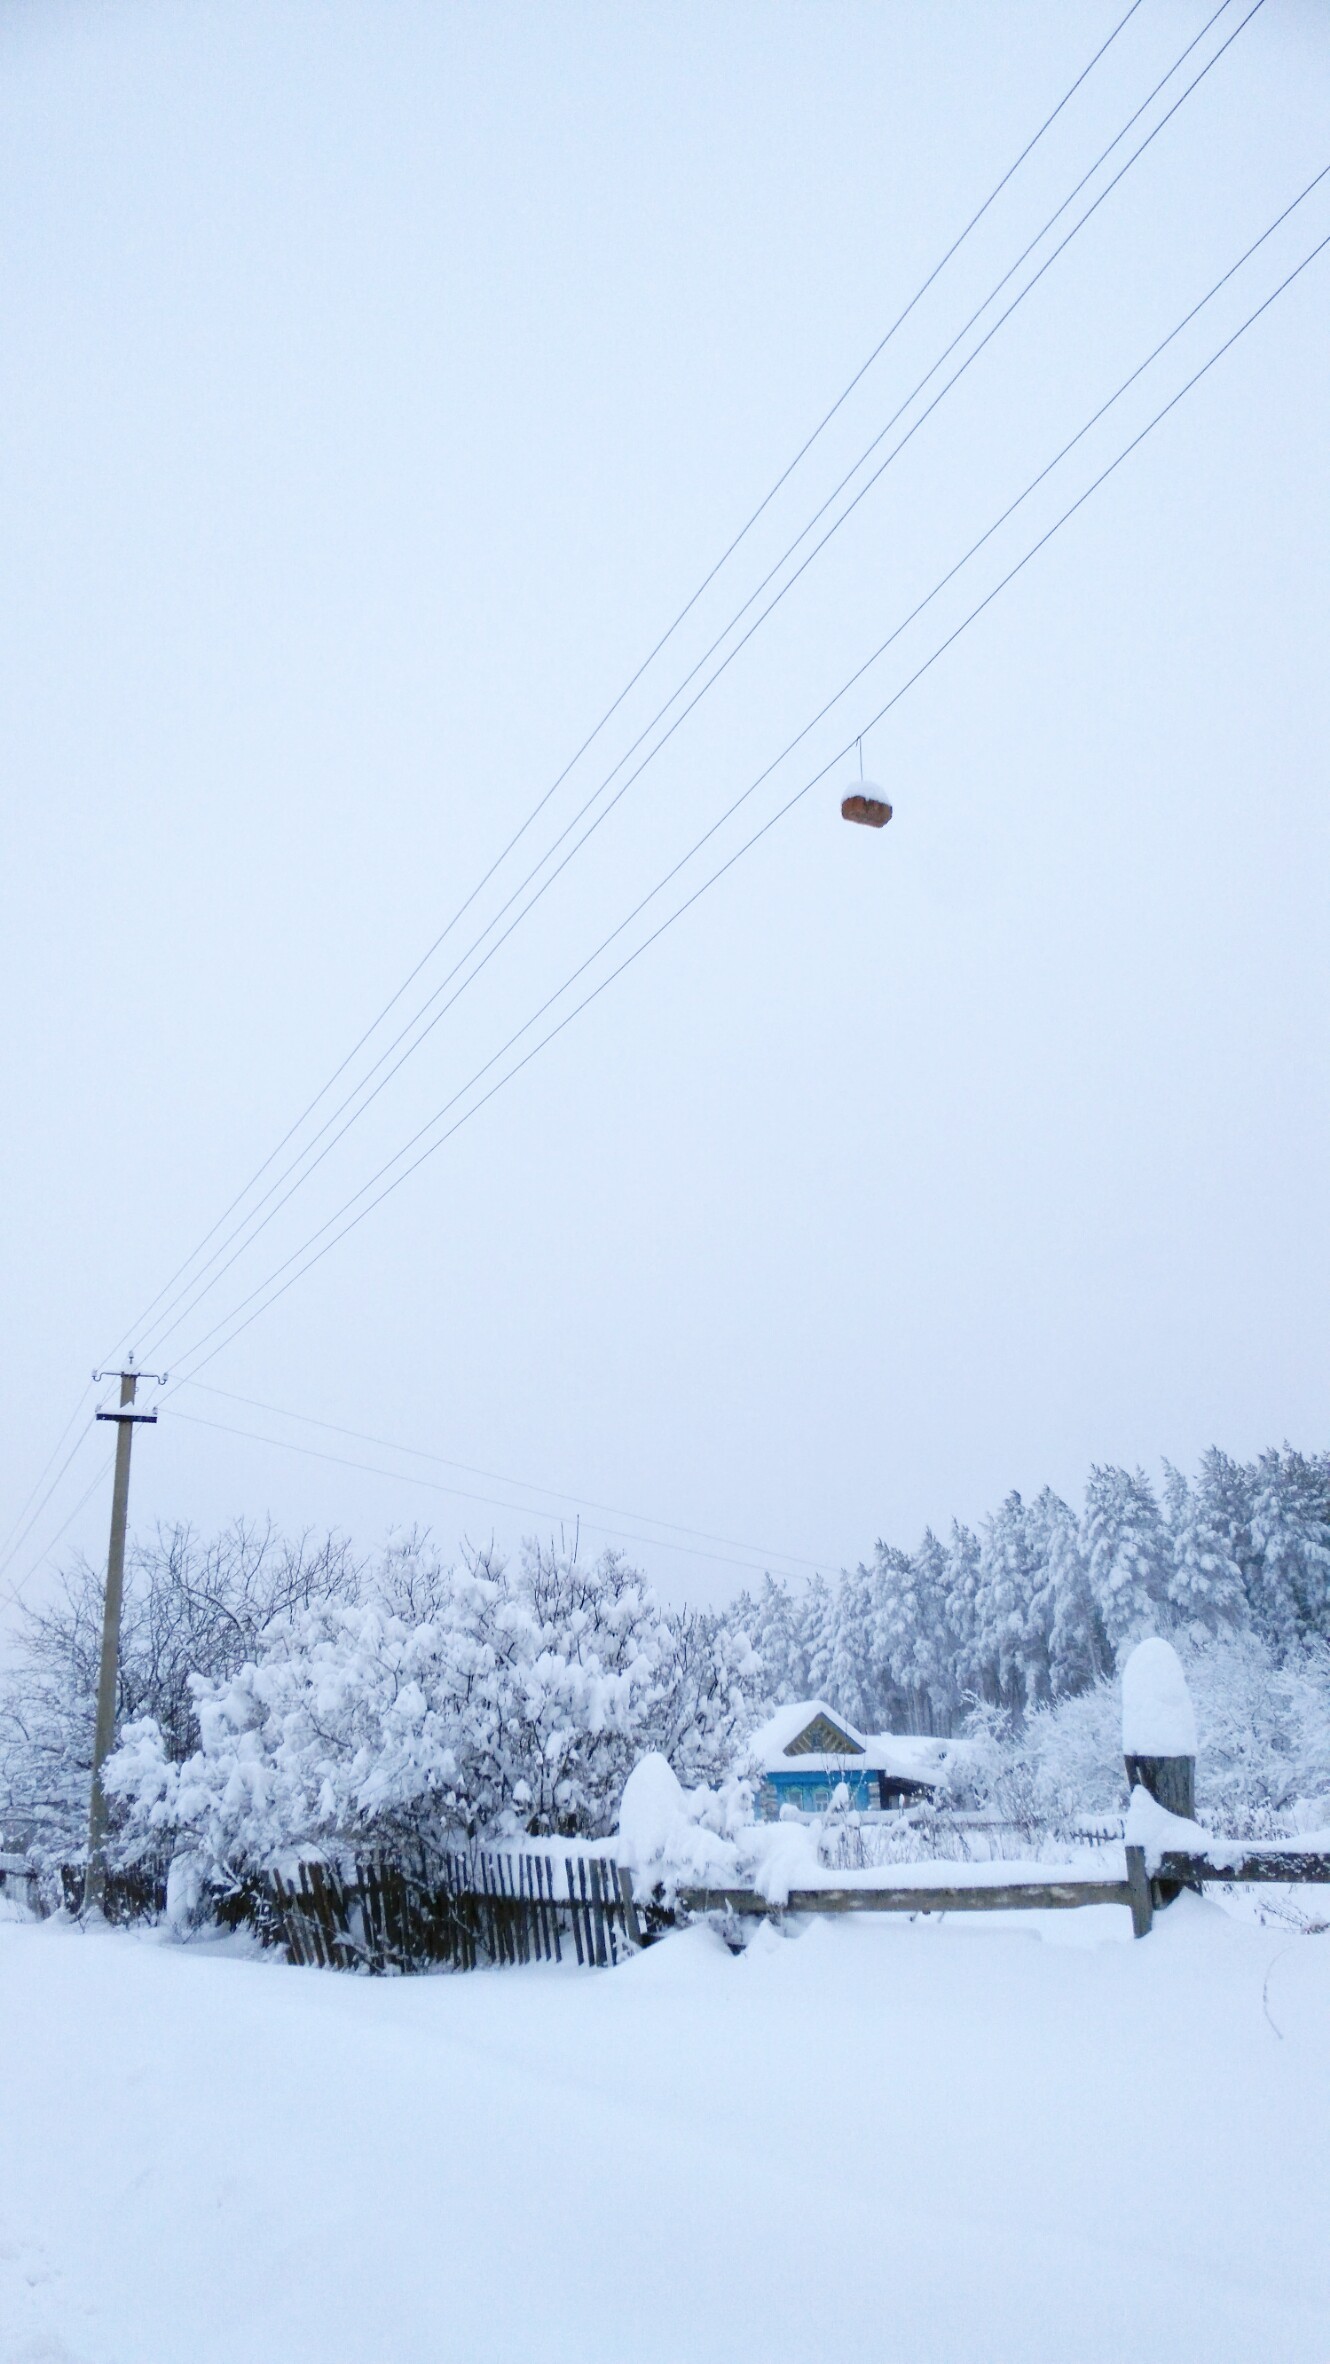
(190, 1608)
(484, 1700)
(1263, 1732)
(668, 1835)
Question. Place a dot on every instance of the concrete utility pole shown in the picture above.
(127, 1418)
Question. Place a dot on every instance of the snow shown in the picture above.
(1158, 1719)
(768, 1743)
(914, 1756)
(652, 1807)
(1021, 2140)
(664, 1840)
(1151, 1826)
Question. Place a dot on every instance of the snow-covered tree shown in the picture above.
(1290, 1528)
(899, 1615)
(817, 1639)
(771, 1623)
(1126, 1549)
(1078, 1649)
(191, 1607)
(972, 1675)
(1012, 1606)
(851, 1676)
(936, 1683)
(519, 1701)
(1205, 1583)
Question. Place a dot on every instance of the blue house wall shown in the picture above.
(812, 1791)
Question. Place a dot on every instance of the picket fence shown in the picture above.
(383, 1915)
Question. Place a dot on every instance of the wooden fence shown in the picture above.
(133, 1893)
(1142, 1892)
(454, 1910)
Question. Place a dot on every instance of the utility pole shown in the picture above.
(127, 1418)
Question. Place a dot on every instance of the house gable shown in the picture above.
(822, 1738)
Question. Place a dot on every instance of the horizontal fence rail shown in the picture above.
(1143, 1891)
(1254, 1863)
(1009, 1896)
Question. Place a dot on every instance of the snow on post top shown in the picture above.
(653, 1806)
(1158, 1719)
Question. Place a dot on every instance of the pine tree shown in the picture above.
(771, 1623)
(1008, 1607)
(972, 1678)
(936, 1664)
(816, 1646)
(1205, 1586)
(1078, 1650)
(1290, 1525)
(1225, 1489)
(850, 1685)
(1126, 1546)
(892, 1635)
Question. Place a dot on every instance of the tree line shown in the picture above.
(277, 1691)
(1039, 1603)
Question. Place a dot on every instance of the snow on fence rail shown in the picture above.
(1150, 1884)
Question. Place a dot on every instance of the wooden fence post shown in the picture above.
(1158, 1749)
(630, 1919)
(1141, 1892)
(1172, 1780)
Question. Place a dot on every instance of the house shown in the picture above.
(806, 1752)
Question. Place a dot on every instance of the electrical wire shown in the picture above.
(840, 693)
(707, 884)
(464, 1494)
(250, 1228)
(12, 1538)
(578, 1502)
(659, 646)
(15, 1592)
(16, 1546)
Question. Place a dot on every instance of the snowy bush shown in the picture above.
(190, 1608)
(668, 1835)
(481, 1701)
(1263, 1728)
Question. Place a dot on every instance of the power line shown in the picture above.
(16, 1591)
(249, 1229)
(12, 1537)
(16, 1546)
(579, 1502)
(840, 693)
(707, 883)
(664, 639)
(461, 1493)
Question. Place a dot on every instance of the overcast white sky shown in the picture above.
(377, 385)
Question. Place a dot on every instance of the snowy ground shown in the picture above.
(983, 2140)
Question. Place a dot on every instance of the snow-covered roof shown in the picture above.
(910, 1756)
(771, 1741)
(915, 1756)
